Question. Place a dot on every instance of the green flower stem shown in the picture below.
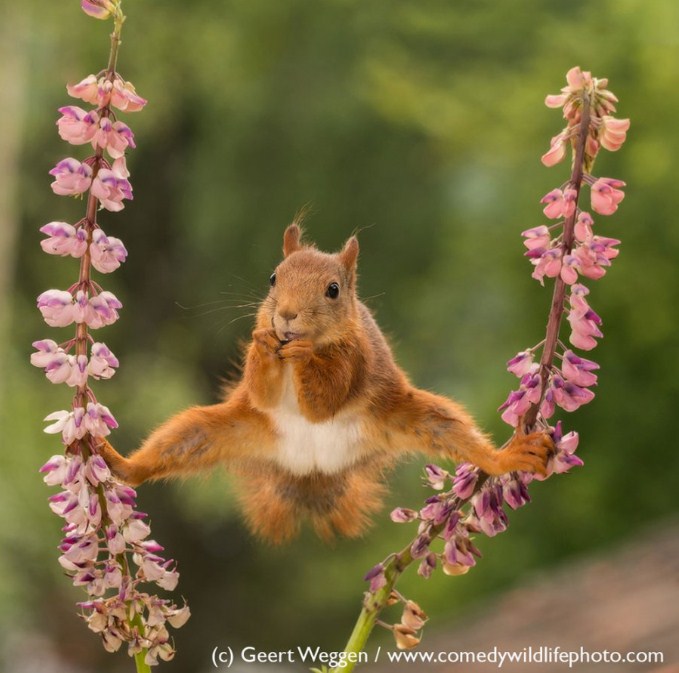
(118, 20)
(375, 602)
(142, 666)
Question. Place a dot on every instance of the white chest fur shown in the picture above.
(303, 446)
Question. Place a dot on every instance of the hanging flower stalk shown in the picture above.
(106, 547)
(470, 502)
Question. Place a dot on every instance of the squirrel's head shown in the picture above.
(313, 293)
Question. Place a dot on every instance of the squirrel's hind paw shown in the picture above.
(528, 453)
(116, 463)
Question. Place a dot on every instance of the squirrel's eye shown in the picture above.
(272, 279)
(332, 291)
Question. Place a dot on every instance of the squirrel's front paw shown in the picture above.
(266, 342)
(300, 350)
(528, 453)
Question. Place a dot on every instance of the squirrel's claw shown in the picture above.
(528, 453)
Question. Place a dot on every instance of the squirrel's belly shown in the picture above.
(304, 447)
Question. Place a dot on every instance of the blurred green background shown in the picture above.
(420, 124)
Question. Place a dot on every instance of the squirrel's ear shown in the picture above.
(291, 239)
(349, 254)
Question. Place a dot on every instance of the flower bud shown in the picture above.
(98, 9)
(413, 616)
(405, 637)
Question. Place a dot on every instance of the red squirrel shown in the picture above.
(321, 410)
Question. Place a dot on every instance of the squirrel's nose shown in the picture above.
(287, 314)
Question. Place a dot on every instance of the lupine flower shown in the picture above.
(114, 137)
(82, 310)
(521, 364)
(584, 332)
(465, 480)
(77, 126)
(101, 92)
(577, 80)
(476, 504)
(578, 370)
(537, 238)
(583, 226)
(56, 307)
(69, 369)
(119, 503)
(514, 491)
(452, 527)
(68, 423)
(519, 401)
(376, 577)
(547, 405)
(564, 457)
(435, 510)
(568, 395)
(124, 96)
(106, 252)
(488, 514)
(114, 540)
(405, 637)
(436, 476)
(102, 524)
(71, 177)
(583, 320)
(60, 308)
(569, 269)
(46, 349)
(102, 363)
(594, 255)
(606, 195)
(96, 470)
(613, 132)
(557, 150)
(111, 186)
(89, 554)
(457, 558)
(137, 529)
(515, 406)
(104, 309)
(420, 546)
(63, 239)
(559, 203)
(403, 515)
(98, 9)
(427, 565)
(413, 616)
(91, 90)
(98, 420)
(547, 263)
(55, 470)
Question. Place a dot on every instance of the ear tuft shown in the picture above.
(349, 254)
(291, 239)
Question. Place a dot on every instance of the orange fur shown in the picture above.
(320, 412)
